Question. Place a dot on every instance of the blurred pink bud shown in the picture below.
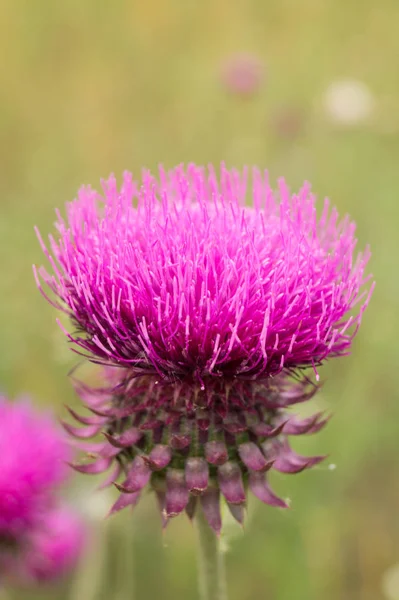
(242, 74)
(52, 549)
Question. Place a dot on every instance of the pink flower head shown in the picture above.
(180, 278)
(242, 74)
(52, 549)
(33, 452)
(210, 306)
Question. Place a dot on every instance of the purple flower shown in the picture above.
(38, 540)
(33, 455)
(211, 309)
(242, 74)
(52, 549)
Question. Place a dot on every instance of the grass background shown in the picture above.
(93, 87)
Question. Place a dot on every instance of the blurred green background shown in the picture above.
(93, 87)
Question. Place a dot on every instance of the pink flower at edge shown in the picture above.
(52, 549)
(33, 456)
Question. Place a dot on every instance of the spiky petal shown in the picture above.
(178, 277)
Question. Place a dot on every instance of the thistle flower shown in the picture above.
(33, 455)
(211, 310)
(38, 540)
(51, 549)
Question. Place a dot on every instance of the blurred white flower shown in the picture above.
(390, 583)
(348, 102)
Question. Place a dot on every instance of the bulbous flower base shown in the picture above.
(193, 443)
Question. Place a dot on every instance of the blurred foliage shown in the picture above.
(93, 87)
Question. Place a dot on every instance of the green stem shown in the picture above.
(88, 581)
(212, 576)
